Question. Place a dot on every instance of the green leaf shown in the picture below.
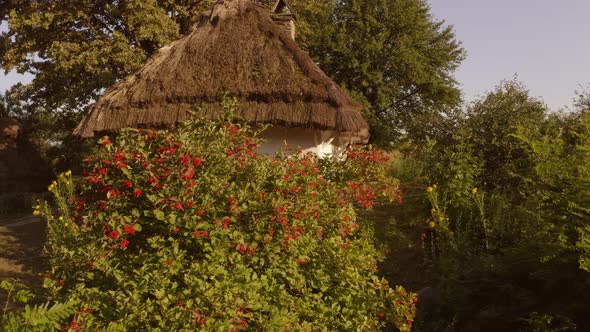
(160, 215)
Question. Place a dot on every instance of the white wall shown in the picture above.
(322, 143)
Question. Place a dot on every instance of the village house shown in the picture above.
(23, 171)
(245, 50)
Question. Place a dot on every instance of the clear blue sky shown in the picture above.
(545, 42)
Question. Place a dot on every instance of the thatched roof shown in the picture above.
(237, 49)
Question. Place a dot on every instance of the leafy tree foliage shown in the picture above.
(77, 48)
(582, 101)
(5, 106)
(492, 121)
(392, 54)
(562, 178)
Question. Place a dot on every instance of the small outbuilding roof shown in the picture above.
(236, 49)
(22, 169)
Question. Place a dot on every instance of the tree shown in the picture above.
(5, 106)
(391, 54)
(582, 101)
(77, 48)
(492, 121)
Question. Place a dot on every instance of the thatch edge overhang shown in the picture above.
(327, 107)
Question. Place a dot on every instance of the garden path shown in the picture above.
(21, 241)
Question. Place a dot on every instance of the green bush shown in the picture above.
(193, 229)
(506, 257)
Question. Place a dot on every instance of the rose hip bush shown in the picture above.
(193, 229)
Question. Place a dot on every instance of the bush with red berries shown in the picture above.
(193, 229)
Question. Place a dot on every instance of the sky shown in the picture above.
(546, 43)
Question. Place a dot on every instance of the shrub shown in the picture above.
(507, 257)
(193, 229)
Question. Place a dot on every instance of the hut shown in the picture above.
(23, 172)
(244, 49)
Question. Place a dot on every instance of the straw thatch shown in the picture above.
(237, 49)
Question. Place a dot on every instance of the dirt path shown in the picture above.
(21, 241)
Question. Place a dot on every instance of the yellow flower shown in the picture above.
(429, 189)
(433, 210)
(61, 218)
(441, 218)
(68, 173)
(434, 186)
(52, 186)
(474, 191)
(66, 224)
(431, 224)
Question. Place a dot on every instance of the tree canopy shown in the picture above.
(493, 120)
(582, 101)
(394, 55)
(77, 48)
